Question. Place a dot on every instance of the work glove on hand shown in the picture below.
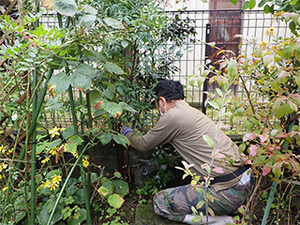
(125, 130)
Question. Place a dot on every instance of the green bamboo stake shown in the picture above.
(33, 155)
(36, 114)
(82, 172)
(90, 125)
(270, 200)
(33, 123)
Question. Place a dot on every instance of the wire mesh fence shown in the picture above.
(224, 25)
(219, 26)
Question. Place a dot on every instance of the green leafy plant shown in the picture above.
(165, 159)
(270, 127)
(97, 65)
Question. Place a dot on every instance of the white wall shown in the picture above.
(171, 5)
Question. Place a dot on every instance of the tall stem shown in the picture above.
(82, 172)
(35, 115)
(90, 125)
(33, 153)
(213, 155)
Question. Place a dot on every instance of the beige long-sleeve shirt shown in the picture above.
(184, 126)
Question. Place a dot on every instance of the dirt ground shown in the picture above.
(279, 214)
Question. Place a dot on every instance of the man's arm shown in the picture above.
(164, 131)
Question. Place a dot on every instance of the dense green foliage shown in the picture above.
(97, 64)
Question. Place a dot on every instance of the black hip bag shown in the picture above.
(230, 176)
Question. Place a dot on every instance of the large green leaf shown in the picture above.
(214, 104)
(252, 4)
(41, 146)
(113, 68)
(86, 69)
(80, 80)
(105, 138)
(19, 216)
(113, 23)
(71, 190)
(261, 3)
(103, 191)
(121, 187)
(54, 143)
(121, 139)
(68, 132)
(61, 82)
(44, 215)
(115, 201)
(81, 77)
(70, 148)
(79, 197)
(232, 68)
(276, 169)
(87, 20)
(112, 107)
(268, 9)
(77, 140)
(66, 7)
(108, 185)
(95, 95)
(282, 110)
(89, 9)
(288, 51)
(53, 104)
(127, 107)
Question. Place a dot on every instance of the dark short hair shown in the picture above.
(169, 89)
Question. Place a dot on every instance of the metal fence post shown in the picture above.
(207, 55)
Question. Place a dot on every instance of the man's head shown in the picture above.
(169, 89)
(168, 92)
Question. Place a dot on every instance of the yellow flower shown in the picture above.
(54, 132)
(270, 31)
(53, 185)
(45, 160)
(53, 151)
(46, 184)
(3, 166)
(260, 82)
(0, 177)
(4, 189)
(56, 179)
(85, 162)
(9, 152)
(263, 43)
(2, 149)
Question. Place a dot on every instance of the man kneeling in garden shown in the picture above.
(184, 127)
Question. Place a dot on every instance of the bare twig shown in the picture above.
(257, 186)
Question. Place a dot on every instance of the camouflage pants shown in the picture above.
(175, 203)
